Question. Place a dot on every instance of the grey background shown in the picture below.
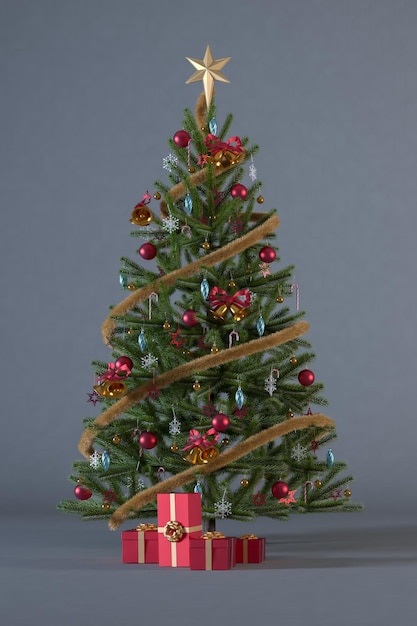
(90, 92)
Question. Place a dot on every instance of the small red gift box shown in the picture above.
(213, 551)
(179, 519)
(250, 549)
(140, 545)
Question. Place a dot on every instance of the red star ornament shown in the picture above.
(209, 410)
(153, 392)
(264, 269)
(175, 339)
(290, 498)
(336, 494)
(240, 412)
(109, 496)
(259, 498)
(94, 397)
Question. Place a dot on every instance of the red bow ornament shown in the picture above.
(222, 303)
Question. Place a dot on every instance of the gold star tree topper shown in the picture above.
(208, 70)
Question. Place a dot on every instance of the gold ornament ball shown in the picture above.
(290, 414)
(80, 481)
(204, 129)
(105, 505)
(214, 349)
(318, 484)
(117, 439)
(130, 331)
(157, 195)
(191, 169)
(174, 447)
(347, 493)
(225, 441)
(244, 482)
(206, 245)
(232, 283)
(196, 386)
(260, 199)
(131, 286)
(166, 325)
(293, 360)
(186, 352)
(280, 299)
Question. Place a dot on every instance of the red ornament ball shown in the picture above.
(280, 489)
(82, 493)
(181, 138)
(220, 422)
(148, 440)
(189, 318)
(148, 251)
(239, 191)
(125, 362)
(306, 378)
(267, 254)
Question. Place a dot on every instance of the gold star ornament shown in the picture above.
(208, 70)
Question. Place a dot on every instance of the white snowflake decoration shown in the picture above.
(140, 484)
(299, 453)
(223, 507)
(170, 224)
(270, 384)
(149, 361)
(169, 162)
(252, 172)
(95, 460)
(174, 426)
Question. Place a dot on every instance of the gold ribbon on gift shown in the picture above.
(142, 528)
(173, 521)
(246, 538)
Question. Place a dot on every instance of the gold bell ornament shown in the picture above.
(111, 389)
(141, 215)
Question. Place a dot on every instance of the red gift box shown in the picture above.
(140, 545)
(213, 551)
(250, 549)
(179, 519)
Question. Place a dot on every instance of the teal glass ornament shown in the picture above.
(188, 204)
(205, 288)
(105, 460)
(239, 397)
(260, 326)
(123, 280)
(198, 488)
(330, 458)
(143, 344)
(213, 126)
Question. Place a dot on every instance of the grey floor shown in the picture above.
(338, 570)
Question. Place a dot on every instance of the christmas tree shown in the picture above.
(210, 387)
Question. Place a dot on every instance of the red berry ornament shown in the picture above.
(306, 378)
(147, 251)
(189, 318)
(220, 422)
(279, 489)
(82, 493)
(267, 254)
(148, 440)
(239, 191)
(181, 138)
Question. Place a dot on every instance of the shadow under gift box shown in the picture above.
(179, 520)
(140, 545)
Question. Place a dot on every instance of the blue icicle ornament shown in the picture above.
(330, 458)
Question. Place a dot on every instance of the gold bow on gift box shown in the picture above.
(213, 534)
(249, 537)
(143, 527)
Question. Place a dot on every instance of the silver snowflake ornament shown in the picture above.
(149, 361)
(270, 384)
(174, 426)
(170, 224)
(299, 453)
(223, 507)
(169, 162)
(252, 172)
(95, 460)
